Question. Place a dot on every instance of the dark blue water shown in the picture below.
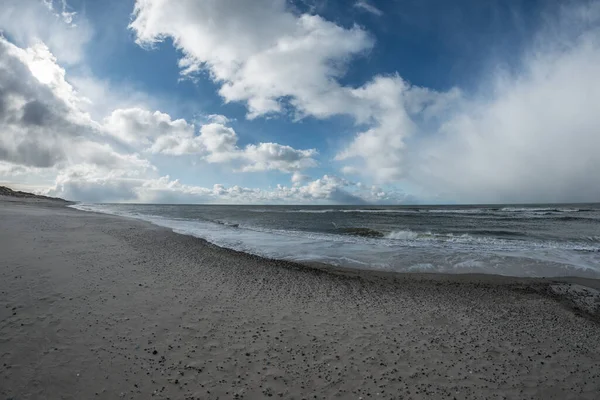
(518, 240)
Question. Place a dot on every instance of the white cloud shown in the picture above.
(535, 138)
(298, 178)
(291, 57)
(100, 97)
(216, 143)
(39, 121)
(44, 129)
(219, 141)
(530, 135)
(267, 57)
(258, 51)
(31, 21)
(366, 6)
(274, 156)
(393, 109)
(218, 119)
(41, 127)
(91, 185)
(296, 60)
(140, 127)
(85, 183)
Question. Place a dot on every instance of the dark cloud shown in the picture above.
(97, 191)
(35, 113)
(37, 127)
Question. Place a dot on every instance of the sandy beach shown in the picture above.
(96, 306)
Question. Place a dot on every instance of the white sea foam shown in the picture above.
(399, 250)
(458, 211)
(422, 267)
(537, 210)
(482, 210)
(328, 211)
(377, 211)
(402, 235)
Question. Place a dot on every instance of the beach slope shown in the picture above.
(95, 306)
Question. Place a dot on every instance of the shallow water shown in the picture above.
(517, 240)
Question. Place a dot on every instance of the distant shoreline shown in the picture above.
(7, 193)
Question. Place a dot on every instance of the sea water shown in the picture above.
(516, 240)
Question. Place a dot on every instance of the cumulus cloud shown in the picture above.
(393, 108)
(274, 156)
(527, 136)
(216, 143)
(298, 178)
(292, 59)
(296, 60)
(259, 51)
(140, 127)
(331, 188)
(535, 138)
(37, 119)
(41, 126)
(90, 185)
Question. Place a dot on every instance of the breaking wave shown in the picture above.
(463, 243)
(539, 210)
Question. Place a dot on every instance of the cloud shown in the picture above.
(87, 184)
(330, 188)
(100, 97)
(393, 108)
(140, 127)
(274, 156)
(293, 60)
(259, 52)
(535, 138)
(298, 178)
(272, 60)
(63, 12)
(91, 185)
(157, 133)
(31, 21)
(41, 126)
(36, 119)
(526, 136)
(366, 6)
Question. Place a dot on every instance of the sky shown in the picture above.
(301, 101)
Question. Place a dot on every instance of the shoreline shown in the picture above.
(376, 255)
(539, 284)
(100, 306)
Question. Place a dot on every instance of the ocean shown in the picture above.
(514, 240)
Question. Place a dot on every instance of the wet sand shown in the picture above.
(95, 306)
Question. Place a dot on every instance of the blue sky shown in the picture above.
(306, 101)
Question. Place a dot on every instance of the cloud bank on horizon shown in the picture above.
(275, 102)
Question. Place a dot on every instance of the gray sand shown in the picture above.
(94, 306)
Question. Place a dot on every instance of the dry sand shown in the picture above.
(94, 306)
